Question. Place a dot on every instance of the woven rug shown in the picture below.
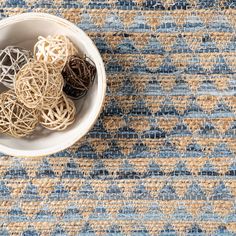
(161, 158)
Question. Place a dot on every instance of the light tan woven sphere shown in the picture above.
(60, 116)
(54, 49)
(39, 85)
(16, 119)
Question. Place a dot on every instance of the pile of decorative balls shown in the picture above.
(42, 85)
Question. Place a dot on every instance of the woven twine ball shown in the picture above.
(16, 119)
(54, 49)
(11, 60)
(79, 74)
(39, 85)
(60, 116)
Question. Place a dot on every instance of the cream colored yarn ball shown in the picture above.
(54, 49)
(16, 119)
(39, 85)
(60, 116)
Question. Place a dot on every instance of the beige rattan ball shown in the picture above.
(39, 85)
(11, 60)
(54, 49)
(16, 119)
(60, 116)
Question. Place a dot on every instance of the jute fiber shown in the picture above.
(161, 158)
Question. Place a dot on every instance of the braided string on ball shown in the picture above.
(39, 85)
(79, 74)
(54, 49)
(16, 119)
(11, 60)
(60, 116)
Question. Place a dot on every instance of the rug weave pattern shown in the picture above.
(161, 158)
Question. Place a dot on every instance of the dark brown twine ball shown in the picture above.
(79, 74)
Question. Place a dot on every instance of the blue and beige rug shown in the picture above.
(161, 158)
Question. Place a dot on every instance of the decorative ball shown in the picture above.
(39, 85)
(78, 74)
(11, 60)
(60, 116)
(16, 119)
(54, 49)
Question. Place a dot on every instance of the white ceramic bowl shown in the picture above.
(23, 30)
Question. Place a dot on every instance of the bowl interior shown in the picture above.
(24, 33)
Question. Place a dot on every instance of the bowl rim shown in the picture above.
(101, 85)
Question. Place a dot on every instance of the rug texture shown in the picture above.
(161, 158)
